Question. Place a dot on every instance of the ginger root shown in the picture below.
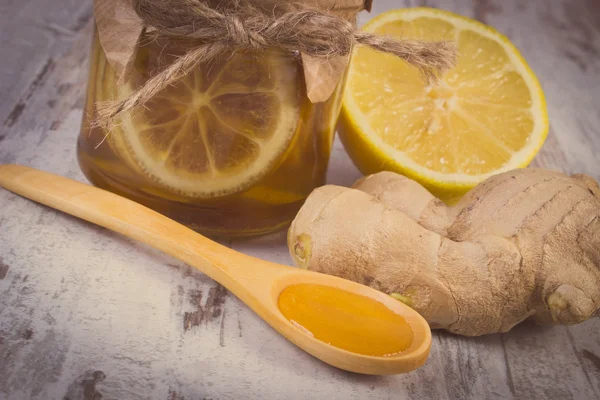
(522, 244)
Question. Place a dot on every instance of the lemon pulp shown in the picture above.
(485, 116)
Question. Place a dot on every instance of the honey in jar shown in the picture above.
(233, 148)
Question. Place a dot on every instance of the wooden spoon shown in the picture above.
(258, 283)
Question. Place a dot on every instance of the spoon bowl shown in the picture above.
(258, 283)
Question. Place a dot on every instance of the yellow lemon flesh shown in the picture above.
(485, 116)
(217, 131)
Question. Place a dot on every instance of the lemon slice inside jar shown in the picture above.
(217, 131)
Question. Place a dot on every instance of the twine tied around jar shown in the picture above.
(239, 25)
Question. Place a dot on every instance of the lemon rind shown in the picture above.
(408, 166)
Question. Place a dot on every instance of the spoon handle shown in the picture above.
(256, 282)
(243, 275)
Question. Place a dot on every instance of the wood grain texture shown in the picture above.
(258, 283)
(88, 313)
(34, 36)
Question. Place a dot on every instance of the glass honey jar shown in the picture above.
(232, 149)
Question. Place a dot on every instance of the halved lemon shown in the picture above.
(217, 131)
(487, 115)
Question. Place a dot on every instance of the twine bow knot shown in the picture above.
(240, 25)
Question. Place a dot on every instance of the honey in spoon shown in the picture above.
(346, 320)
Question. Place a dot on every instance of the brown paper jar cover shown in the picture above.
(119, 29)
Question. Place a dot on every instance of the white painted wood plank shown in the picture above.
(88, 311)
(545, 362)
(34, 35)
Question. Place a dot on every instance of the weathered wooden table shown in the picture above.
(87, 314)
